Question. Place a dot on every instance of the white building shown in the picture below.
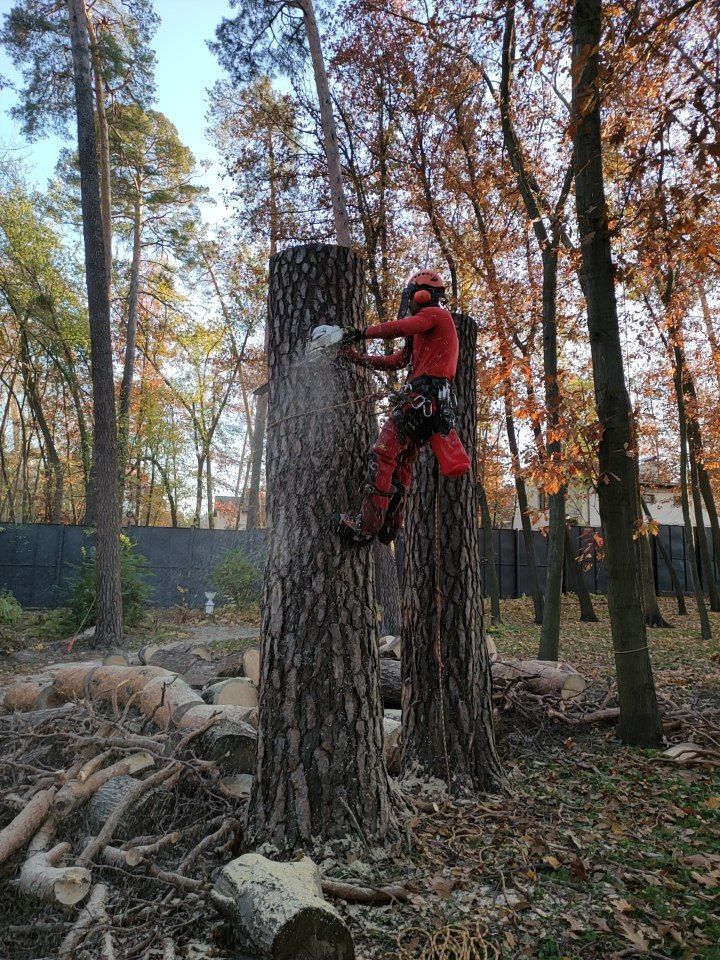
(583, 510)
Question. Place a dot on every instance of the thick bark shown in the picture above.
(619, 498)
(447, 697)
(387, 589)
(489, 577)
(329, 129)
(256, 454)
(667, 560)
(320, 767)
(126, 386)
(108, 597)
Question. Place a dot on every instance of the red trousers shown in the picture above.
(393, 456)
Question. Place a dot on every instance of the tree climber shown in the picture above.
(423, 409)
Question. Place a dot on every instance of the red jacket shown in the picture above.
(434, 347)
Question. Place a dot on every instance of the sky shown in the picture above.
(185, 70)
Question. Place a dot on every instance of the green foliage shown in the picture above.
(81, 612)
(10, 609)
(238, 579)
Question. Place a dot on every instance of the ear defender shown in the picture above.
(421, 297)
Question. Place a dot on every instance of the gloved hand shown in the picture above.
(352, 337)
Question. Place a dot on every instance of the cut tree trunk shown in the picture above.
(108, 597)
(23, 827)
(278, 909)
(320, 767)
(447, 696)
(640, 721)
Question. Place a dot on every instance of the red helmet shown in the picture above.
(427, 278)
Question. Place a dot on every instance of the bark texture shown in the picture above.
(387, 589)
(108, 597)
(320, 769)
(639, 715)
(447, 705)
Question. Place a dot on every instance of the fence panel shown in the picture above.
(40, 562)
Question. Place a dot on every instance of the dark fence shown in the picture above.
(39, 562)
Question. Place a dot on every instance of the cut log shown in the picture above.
(391, 647)
(278, 909)
(116, 658)
(239, 691)
(393, 752)
(27, 695)
(42, 879)
(538, 676)
(104, 801)
(231, 745)
(491, 648)
(76, 792)
(146, 651)
(391, 683)
(251, 664)
(23, 827)
(238, 786)
(544, 677)
(93, 912)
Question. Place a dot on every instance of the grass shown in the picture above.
(598, 850)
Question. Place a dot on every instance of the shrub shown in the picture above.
(238, 579)
(81, 611)
(10, 609)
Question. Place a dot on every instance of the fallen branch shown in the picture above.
(93, 911)
(42, 879)
(23, 827)
(353, 893)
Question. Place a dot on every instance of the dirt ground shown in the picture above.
(595, 851)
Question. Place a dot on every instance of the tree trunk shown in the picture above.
(667, 560)
(103, 150)
(550, 631)
(329, 129)
(577, 583)
(521, 491)
(209, 490)
(705, 630)
(447, 696)
(639, 715)
(320, 762)
(256, 455)
(108, 598)
(490, 577)
(126, 387)
(706, 568)
(387, 589)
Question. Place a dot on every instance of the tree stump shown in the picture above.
(449, 736)
(320, 767)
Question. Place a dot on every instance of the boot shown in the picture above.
(361, 529)
(394, 515)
